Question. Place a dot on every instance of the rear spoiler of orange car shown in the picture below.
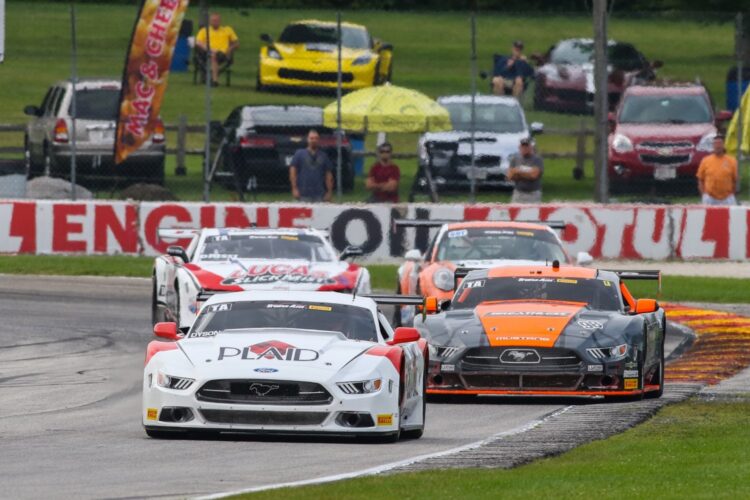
(396, 299)
(647, 274)
(554, 224)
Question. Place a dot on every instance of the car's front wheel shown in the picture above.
(658, 378)
(417, 433)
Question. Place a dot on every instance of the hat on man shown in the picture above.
(527, 141)
(518, 44)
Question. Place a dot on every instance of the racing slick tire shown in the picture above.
(659, 378)
(417, 433)
(157, 314)
(176, 312)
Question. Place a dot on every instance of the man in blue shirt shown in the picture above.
(311, 172)
(510, 73)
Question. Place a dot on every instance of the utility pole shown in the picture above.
(207, 74)
(339, 185)
(473, 174)
(601, 102)
(740, 35)
(74, 100)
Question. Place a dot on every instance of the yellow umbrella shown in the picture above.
(388, 108)
(732, 130)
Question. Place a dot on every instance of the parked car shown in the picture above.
(306, 56)
(565, 77)
(500, 124)
(661, 134)
(47, 143)
(257, 144)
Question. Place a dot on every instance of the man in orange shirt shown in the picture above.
(222, 41)
(717, 176)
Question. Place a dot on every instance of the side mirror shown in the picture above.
(431, 305)
(536, 128)
(351, 251)
(265, 37)
(177, 251)
(584, 259)
(404, 334)
(646, 306)
(32, 110)
(167, 330)
(386, 46)
(413, 255)
(657, 64)
(445, 305)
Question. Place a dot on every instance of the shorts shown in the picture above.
(526, 196)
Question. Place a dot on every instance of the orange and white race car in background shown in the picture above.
(474, 245)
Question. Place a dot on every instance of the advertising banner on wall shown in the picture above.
(144, 79)
(654, 232)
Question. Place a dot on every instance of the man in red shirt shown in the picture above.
(383, 177)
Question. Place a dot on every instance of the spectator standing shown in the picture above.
(383, 177)
(311, 172)
(526, 170)
(510, 73)
(223, 42)
(717, 176)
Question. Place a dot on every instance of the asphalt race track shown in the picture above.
(71, 363)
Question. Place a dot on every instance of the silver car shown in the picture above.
(47, 144)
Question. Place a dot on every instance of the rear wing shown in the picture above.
(440, 222)
(395, 299)
(177, 233)
(647, 274)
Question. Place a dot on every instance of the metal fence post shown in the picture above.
(601, 101)
(578, 170)
(472, 177)
(339, 184)
(73, 103)
(207, 150)
(739, 46)
(181, 145)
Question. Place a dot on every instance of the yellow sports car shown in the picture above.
(305, 56)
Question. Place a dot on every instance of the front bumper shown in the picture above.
(631, 167)
(455, 375)
(158, 403)
(303, 74)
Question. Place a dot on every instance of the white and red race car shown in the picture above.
(233, 260)
(287, 363)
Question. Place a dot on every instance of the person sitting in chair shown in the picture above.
(222, 42)
(510, 73)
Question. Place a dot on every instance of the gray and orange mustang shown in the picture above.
(546, 330)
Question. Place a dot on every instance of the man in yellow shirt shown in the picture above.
(717, 176)
(223, 42)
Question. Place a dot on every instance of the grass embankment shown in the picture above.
(433, 58)
(689, 450)
(674, 288)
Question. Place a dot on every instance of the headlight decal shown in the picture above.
(361, 387)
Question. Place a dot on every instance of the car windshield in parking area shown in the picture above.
(496, 118)
(291, 246)
(499, 243)
(351, 37)
(598, 294)
(665, 108)
(578, 52)
(354, 322)
(96, 104)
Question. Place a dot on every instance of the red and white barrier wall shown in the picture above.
(606, 231)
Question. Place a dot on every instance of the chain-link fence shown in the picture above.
(668, 82)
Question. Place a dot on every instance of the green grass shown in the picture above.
(431, 55)
(689, 450)
(674, 288)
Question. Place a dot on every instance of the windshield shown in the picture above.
(497, 243)
(577, 52)
(598, 294)
(96, 104)
(351, 37)
(665, 109)
(354, 322)
(291, 246)
(497, 118)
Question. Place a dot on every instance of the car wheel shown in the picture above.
(155, 317)
(658, 377)
(258, 86)
(176, 312)
(376, 78)
(417, 433)
(27, 163)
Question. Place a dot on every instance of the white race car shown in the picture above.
(247, 259)
(287, 363)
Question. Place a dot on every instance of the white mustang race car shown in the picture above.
(287, 363)
(232, 260)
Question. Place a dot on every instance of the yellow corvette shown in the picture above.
(305, 56)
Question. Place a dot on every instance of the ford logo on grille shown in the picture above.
(266, 370)
(520, 356)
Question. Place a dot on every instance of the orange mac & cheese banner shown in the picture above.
(146, 70)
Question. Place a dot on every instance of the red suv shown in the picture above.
(660, 134)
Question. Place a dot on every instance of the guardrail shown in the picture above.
(183, 129)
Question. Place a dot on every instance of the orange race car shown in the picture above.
(475, 245)
(546, 330)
